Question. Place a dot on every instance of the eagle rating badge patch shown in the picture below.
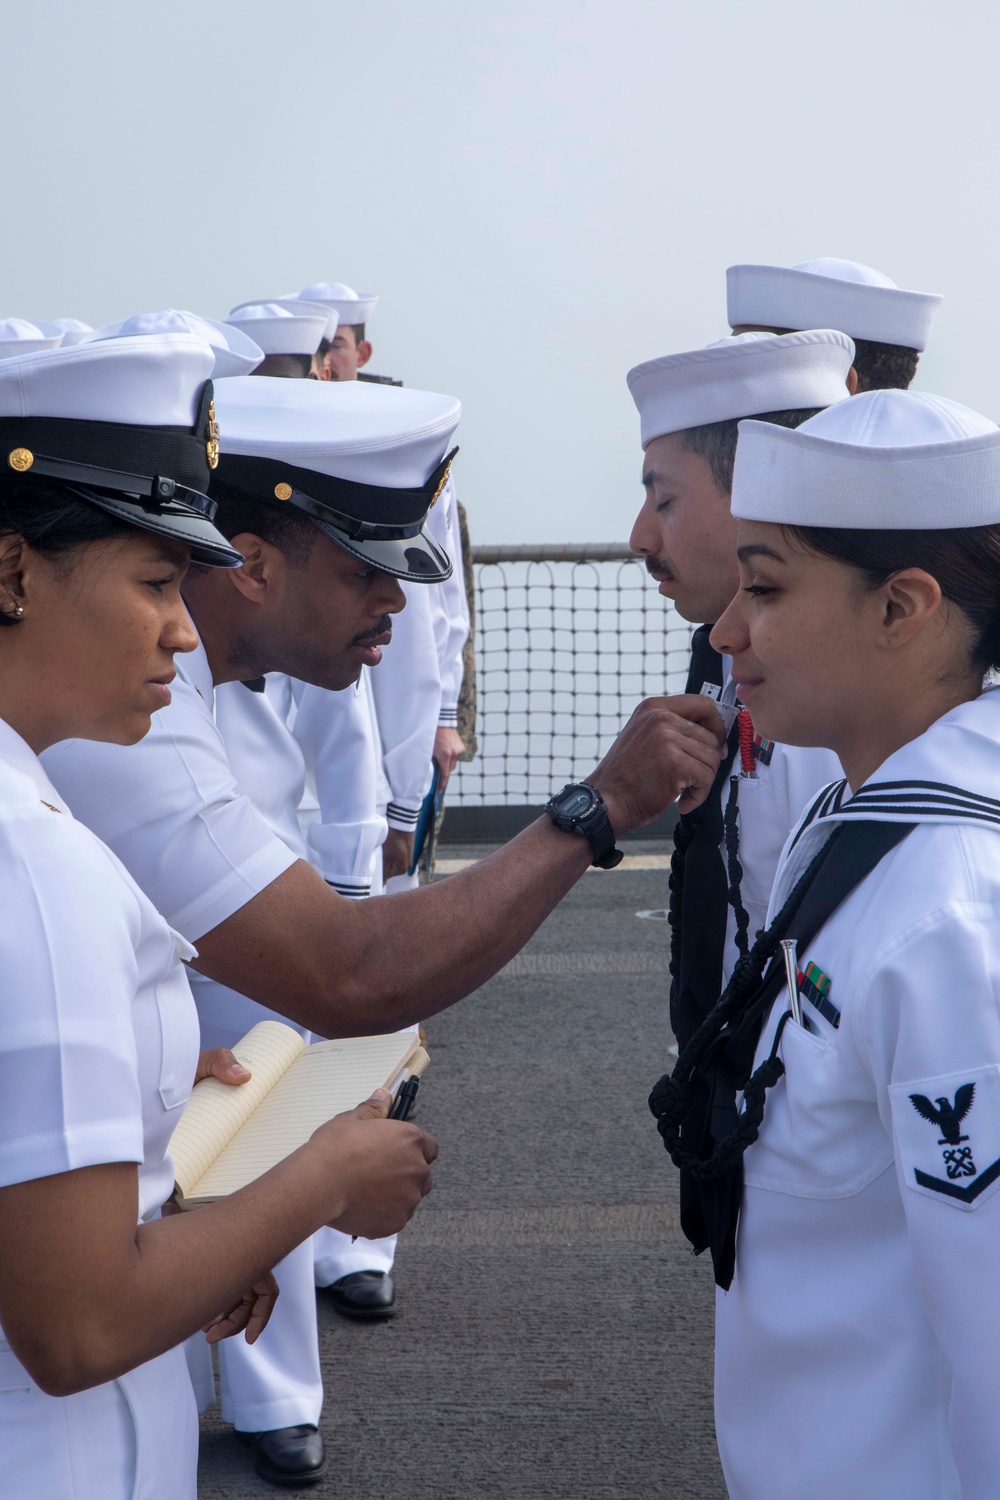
(948, 1135)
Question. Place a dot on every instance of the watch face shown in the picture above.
(578, 802)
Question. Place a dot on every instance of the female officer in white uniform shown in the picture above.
(858, 1343)
(107, 449)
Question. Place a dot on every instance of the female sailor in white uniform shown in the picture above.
(102, 506)
(854, 1194)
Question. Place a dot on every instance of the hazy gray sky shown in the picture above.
(542, 192)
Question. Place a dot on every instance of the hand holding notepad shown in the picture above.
(228, 1137)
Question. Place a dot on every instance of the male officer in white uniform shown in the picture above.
(411, 703)
(360, 779)
(889, 326)
(314, 599)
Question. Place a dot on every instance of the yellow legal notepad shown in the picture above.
(228, 1137)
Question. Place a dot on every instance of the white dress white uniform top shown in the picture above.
(449, 606)
(171, 808)
(339, 813)
(98, 1051)
(858, 1350)
(98, 1031)
(406, 691)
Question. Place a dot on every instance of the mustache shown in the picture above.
(383, 627)
(658, 568)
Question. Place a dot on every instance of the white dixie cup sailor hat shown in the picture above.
(738, 377)
(284, 326)
(299, 307)
(882, 461)
(364, 462)
(353, 308)
(830, 293)
(72, 330)
(19, 336)
(128, 425)
(235, 353)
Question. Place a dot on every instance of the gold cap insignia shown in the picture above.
(283, 491)
(20, 459)
(441, 484)
(212, 443)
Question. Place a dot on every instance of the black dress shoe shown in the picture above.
(364, 1294)
(291, 1456)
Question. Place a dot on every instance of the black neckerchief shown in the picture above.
(704, 1131)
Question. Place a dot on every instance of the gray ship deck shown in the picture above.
(553, 1340)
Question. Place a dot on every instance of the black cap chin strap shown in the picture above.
(164, 494)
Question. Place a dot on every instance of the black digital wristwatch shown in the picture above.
(579, 808)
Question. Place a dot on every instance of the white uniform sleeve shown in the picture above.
(339, 740)
(170, 809)
(69, 1086)
(929, 1024)
(450, 608)
(406, 689)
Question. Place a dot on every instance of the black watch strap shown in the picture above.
(593, 824)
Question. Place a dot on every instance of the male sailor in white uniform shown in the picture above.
(855, 1186)
(889, 325)
(287, 331)
(726, 850)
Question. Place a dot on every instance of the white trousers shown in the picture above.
(132, 1439)
(336, 1256)
(277, 1381)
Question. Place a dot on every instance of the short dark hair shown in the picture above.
(283, 526)
(884, 367)
(324, 345)
(52, 519)
(358, 329)
(716, 441)
(298, 366)
(966, 564)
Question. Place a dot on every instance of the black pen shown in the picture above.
(401, 1106)
(404, 1100)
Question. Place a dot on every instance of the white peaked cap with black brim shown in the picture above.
(276, 329)
(127, 425)
(19, 336)
(741, 377)
(235, 353)
(883, 461)
(830, 293)
(353, 308)
(365, 463)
